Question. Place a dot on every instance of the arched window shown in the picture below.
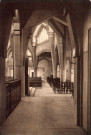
(42, 36)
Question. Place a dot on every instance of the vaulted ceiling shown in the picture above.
(27, 7)
(29, 11)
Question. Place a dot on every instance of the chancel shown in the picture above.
(45, 67)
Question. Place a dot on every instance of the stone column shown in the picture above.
(22, 68)
(64, 70)
(53, 53)
(2, 90)
(16, 52)
(32, 46)
(60, 54)
(72, 70)
(55, 64)
(68, 70)
(35, 61)
(77, 92)
(22, 81)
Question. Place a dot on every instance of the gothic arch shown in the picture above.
(44, 50)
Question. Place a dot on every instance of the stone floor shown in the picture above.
(44, 114)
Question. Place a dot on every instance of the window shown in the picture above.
(42, 36)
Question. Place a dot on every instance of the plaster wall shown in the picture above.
(87, 25)
(44, 70)
(8, 68)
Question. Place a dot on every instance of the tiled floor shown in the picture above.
(44, 114)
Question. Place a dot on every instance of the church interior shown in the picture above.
(45, 67)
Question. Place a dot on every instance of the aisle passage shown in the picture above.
(43, 115)
(45, 91)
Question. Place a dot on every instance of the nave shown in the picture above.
(44, 114)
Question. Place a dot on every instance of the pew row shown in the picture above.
(61, 87)
(35, 82)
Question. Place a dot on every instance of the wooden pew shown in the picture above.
(61, 87)
(35, 82)
(50, 80)
(56, 85)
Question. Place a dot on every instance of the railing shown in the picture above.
(13, 95)
(61, 87)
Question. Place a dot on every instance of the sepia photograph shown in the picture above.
(45, 67)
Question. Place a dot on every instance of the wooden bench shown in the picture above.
(61, 87)
(54, 83)
(69, 87)
(35, 82)
(50, 80)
